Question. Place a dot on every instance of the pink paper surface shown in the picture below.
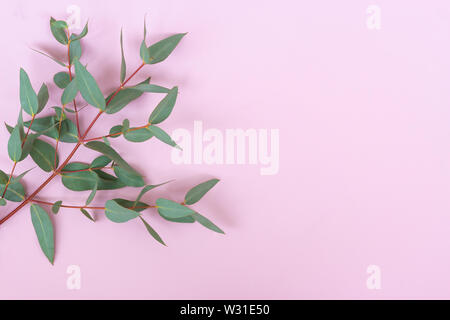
(364, 170)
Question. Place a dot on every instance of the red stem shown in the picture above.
(88, 169)
(86, 207)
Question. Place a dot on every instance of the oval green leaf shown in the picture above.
(61, 79)
(162, 49)
(44, 230)
(15, 145)
(152, 231)
(28, 97)
(171, 209)
(69, 93)
(42, 97)
(197, 192)
(117, 213)
(88, 86)
(139, 135)
(58, 28)
(56, 206)
(164, 107)
(207, 223)
(43, 154)
(161, 135)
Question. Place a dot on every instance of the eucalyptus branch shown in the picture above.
(83, 176)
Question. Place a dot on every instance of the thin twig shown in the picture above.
(85, 207)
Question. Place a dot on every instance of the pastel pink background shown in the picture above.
(364, 160)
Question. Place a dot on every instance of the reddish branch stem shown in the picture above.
(88, 169)
(57, 171)
(86, 207)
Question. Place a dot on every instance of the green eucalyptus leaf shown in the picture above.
(48, 56)
(125, 125)
(76, 180)
(117, 213)
(69, 110)
(20, 125)
(123, 65)
(43, 154)
(121, 99)
(110, 153)
(197, 192)
(58, 28)
(86, 214)
(48, 126)
(28, 97)
(135, 206)
(161, 135)
(146, 87)
(148, 188)
(69, 93)
(100, 162)
(88, 87)
(82, 34)
(207, 223)
(2, 202)
(3, 177)
(143, 50)
(107, 181)
(61, 79)
(56, 206)
(164, 108)
(139, 135)
(28, 146)
(44, 230)
(9, 128)
(75, 49)
(162, 49)
(92, 194)
(152, 231)
(15, 191)
(129, 178)
(15, 145)
(106, 141)
(60, 113)
(171, 209)
(42, 97)
(115, 131)
(187, 219)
